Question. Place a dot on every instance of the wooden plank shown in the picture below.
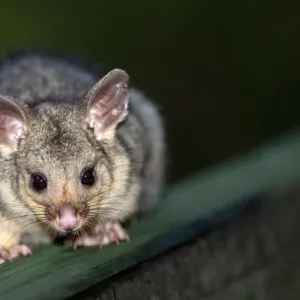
(59, 272)
(254, 256)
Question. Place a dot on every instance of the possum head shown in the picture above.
(65, 163)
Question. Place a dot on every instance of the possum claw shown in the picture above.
(102, 235)
(13, 252)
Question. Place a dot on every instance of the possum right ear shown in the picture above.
(107, 104)
(13, 125)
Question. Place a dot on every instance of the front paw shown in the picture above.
(103, 234)
(13, 252)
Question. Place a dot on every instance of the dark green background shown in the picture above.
(225, 73)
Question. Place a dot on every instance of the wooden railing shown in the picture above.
(190, 208)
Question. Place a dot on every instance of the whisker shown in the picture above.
(111, 197)
(18, 231)
(14, 218)
(111, 214)
(109, 209)
(14, 205)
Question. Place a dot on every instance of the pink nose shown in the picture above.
(67, 218)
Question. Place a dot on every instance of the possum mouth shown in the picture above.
(66, 219)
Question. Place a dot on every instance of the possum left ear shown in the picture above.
(13, 125)
(107, 104)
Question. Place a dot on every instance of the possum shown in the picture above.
(81, 153)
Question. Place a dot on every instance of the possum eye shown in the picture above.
(87, 177)
(38, 181)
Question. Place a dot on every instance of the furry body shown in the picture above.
(129, 164)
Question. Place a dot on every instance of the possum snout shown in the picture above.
(67, 218)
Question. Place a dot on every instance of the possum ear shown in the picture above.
(107, 104)
(13, 125)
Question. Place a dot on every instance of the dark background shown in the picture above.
(224, 73)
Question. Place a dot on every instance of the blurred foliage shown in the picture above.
(225, 73)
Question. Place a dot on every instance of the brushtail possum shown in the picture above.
(80, 153)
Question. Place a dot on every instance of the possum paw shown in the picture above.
(102, 235)
(13, 252)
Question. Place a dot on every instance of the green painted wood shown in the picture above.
(60, 272)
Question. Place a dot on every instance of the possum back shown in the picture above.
(34, 77)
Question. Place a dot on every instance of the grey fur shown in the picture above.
(54, 91)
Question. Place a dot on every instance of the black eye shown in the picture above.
(39, 182)
(87, 177)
